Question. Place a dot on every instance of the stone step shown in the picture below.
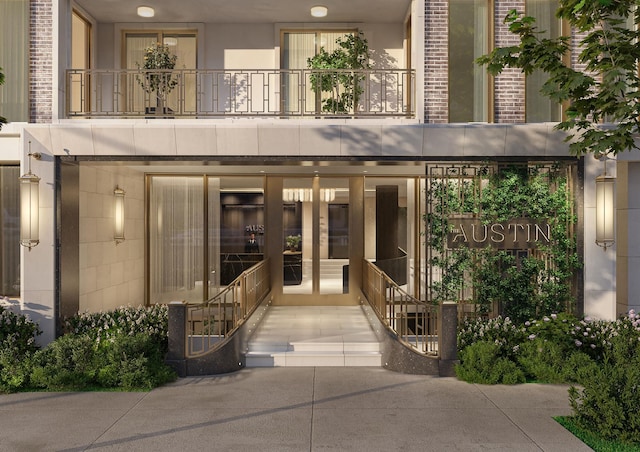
(314, 359)
(299, 336)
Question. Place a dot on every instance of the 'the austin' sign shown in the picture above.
(516, 234)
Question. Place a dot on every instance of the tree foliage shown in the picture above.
(336, 73)
(603, 105)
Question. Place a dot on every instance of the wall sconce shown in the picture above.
(118, 215)
(605, 207)
(30, 205)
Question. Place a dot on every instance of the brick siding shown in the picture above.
(41, 61)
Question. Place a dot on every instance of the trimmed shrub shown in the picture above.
(608, 402)
(66, 364)
(542, 360)
(132, 363)
(483, 363)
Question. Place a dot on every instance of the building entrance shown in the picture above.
(203, 231)
(315, 219)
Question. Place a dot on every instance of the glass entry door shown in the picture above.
(315, 240)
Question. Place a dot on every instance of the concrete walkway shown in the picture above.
(294, 409)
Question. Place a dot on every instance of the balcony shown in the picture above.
(226, 93)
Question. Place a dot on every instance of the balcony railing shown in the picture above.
(203, 93)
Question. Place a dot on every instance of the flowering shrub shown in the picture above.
(603, 357)
(121, 349)
(152, 321)
(501, 331)
(17, 332)
(17, 345)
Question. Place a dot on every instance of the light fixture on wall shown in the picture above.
(30, 205)
(146, 11)
(319, 11)
(605, 207)
(118, 215)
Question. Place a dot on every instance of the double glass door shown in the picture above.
(315, 235)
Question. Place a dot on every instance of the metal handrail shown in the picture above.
(123, 93)
(415, 322)
(210, 322)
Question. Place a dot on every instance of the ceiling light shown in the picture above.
(146, 11)
(170, 41)
(319, 11)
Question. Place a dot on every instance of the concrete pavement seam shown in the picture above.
(507, 416)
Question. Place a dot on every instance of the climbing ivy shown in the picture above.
(520, 284)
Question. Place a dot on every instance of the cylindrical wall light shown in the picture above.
(605, 210)
(30, 206)
(118, 215)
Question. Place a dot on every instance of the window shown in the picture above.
(14, 59)
(468, 40)
(297, 47)
(10, 231)
(183, 44)
(80, 59)
(540, 108)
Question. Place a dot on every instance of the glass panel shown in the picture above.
(184, 46)
(135, 45)
(297, 226)
(468, 40)
(80, 59)
(14, 59)
(185, 49)
(334, 235)
(241, 225)
(297, 48)
(388, 235)
(10, 232)
(176, 239)
(539, 108)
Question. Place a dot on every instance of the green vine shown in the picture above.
(520, 284)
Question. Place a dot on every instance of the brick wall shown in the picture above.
(41, 61)
(436, 50)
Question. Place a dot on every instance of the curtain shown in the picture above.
(297, 48)
(176, 221)
(14, 59)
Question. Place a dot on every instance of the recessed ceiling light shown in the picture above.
(319, 11)
(146, 11)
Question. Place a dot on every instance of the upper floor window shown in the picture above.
(297, 47)
(540, 108)
(14, 59)
(469, 39)
(182, 44)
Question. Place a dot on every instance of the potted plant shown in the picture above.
(158, 61)
(342, 85)
(293, 241)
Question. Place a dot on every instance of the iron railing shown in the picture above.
(414, 321)
(209, 323)
(201, 93)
